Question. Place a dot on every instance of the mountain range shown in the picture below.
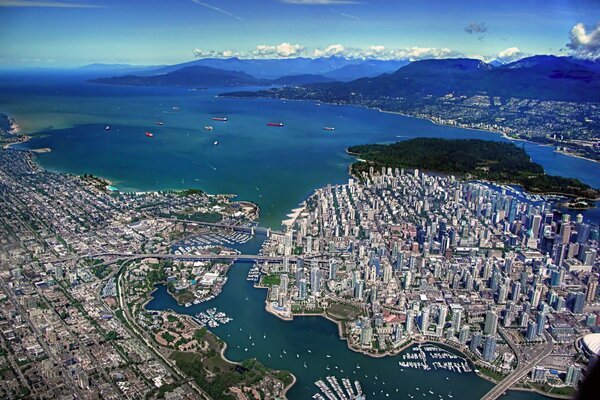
(218, 72)
(537, 78)
(335, 78)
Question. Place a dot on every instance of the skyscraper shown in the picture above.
(456, 318)
(592, 287)
(573, 375)
(489, 348)
(463, 335)
(315, 279)
(424, 320)
(531, 330)
(491, 323)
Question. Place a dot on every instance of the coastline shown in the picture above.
(430, 119)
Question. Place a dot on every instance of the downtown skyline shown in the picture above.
(73, 33)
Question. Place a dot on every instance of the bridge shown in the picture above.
(520, 372)
(238, 228)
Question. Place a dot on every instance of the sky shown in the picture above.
(65, 33)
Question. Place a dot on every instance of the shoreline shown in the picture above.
(430, 119)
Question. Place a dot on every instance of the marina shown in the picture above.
(212, 318)
(428, 357)
(253, 274)
(332, 390)
(200, 243)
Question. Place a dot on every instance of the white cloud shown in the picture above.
(217, 9)
(421, 53)
(509, 55)
(281, 50)
(46, 4)
(287, 50)
(199, 53)
(331, 50)
(584, 41)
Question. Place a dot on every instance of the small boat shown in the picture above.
(215, 143)
(328, 356)
(175, 109)
(305, 365)
(209, 128)
(279, 124)
(222, 119)
(107, 128)
(328, 128)
(297, 356)
(149, 134)
(159, 123)
(309, 351)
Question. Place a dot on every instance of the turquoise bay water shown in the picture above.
(275, 167)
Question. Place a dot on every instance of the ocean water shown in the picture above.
(275, 167)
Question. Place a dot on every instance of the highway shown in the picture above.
(236, 257)
(520, 372)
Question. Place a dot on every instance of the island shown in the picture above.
(499, 162)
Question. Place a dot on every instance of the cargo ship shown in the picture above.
(159, 123)
(328, 128)
(275, 124)
(222, 119)
(149, 134)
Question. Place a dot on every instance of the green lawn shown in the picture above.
(270, 280)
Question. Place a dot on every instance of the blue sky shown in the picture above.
(76, 32)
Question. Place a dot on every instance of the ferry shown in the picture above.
(222, 119)
(328, 128)
(159, 123)
(149, 134)
(279, 124)
(209, 127)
